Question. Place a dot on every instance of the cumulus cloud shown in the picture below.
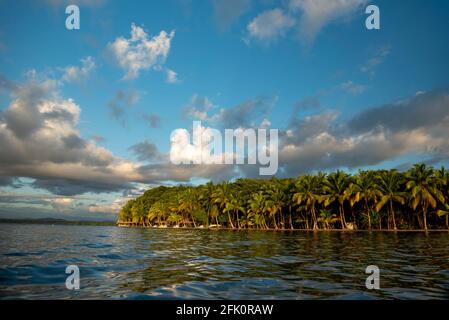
(244, 115)
(163, 173)
(79, 73)
(113, 207)
(39, 138)
(316, 14)
(122, 99)
(153, 120)
(198, 107)
(172, 76)
(416, 126)
(140, 52)
(423, 111)
(62, 204)
(145, 151)
(226, 12)
(195, 149)
(270, 25)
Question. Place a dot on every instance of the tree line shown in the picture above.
(374, 199)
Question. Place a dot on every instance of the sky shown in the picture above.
(87, 115)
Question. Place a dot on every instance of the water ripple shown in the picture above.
(120, 263)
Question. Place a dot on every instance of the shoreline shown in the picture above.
(286, 230)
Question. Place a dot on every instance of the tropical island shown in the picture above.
(417, 199)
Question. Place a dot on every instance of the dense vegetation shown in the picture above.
(381, 199)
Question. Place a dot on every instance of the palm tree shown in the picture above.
(308, 192)
(442, 176)
(424, 192)
(256, 209)
(336, 190)
(363, 188)
(235, 205)
(327, 218)
(310, 201)
(189, 203)
(222, 199)
(288, 191)
(158, 211)
(274, 202)
(389, 184)
(205, 199)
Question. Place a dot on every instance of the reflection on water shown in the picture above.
(206, 264)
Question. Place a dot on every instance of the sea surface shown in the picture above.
(133, 263)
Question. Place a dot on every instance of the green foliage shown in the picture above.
(378, 199)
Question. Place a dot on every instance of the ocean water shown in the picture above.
(132, 263)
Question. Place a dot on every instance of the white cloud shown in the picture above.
(316, 14)
(270, 25)
(113, 207)
(265, 123)
(353, 88)
(139, 52)
(61, 204)
(184, 149)
(75, 73)
(375, 60)
(227, 12)
(198, 107)
(40, 139)
(417, 126)
(172, 76)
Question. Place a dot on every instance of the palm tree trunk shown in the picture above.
(283, 219)
(315, 223)
(230, 220)
(264, 223)
(238, 220)
(274, 220)
(418, 217)
(368, 214)
(342, 221)
(353, 218)
(424, 218)
(291, 222)
(388, 219)
(392, 215)
(306, 220)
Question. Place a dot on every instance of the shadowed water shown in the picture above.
(215, 264)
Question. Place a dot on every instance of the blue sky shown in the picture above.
(309, 68)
